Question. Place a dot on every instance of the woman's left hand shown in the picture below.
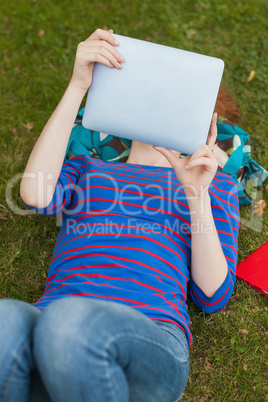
(195, 172)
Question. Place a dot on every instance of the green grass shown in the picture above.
(227, 364)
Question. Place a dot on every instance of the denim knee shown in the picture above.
(69, 352)
(63, 321)
(64, 324)
(17, 322)
(16, 361)
(61, 336)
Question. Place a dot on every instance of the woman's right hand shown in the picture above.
(99, 47)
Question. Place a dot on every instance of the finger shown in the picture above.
(202, 151)
(212, 130)
(104, 35)
(96, 58)
(87, 54)
(103, 44)
(101, 51)
(203, 161)
(212, 135)
(170, 156)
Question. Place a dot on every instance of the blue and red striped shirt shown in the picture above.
(126, 237)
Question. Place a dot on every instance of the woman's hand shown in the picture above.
(195, 172)
(99, 47)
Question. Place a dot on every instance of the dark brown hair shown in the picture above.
(226, 106)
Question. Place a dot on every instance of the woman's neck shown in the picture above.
(145, 154)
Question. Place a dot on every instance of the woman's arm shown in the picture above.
(208, 263)
(45, 162)
(208, 266)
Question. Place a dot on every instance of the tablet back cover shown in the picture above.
(162, 95)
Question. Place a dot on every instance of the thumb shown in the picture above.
(169, 155)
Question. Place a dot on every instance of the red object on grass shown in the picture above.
(254, 269)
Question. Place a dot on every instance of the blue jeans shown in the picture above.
(85, 349)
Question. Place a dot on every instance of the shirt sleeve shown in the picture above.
(70, 173)
(225, 210)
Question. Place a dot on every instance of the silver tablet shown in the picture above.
(162, 95)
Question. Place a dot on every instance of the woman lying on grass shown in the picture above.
(112, 324)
